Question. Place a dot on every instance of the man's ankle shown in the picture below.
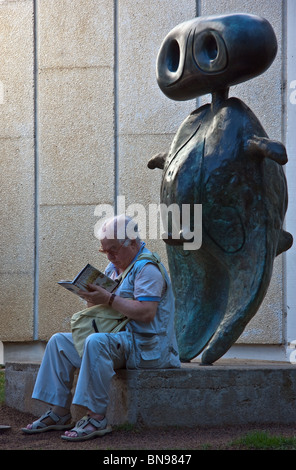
(96, 416)
(60, 411)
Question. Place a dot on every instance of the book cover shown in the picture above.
(89, 275)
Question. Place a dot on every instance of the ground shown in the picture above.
(128, 439)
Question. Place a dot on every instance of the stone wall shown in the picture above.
(81, 114)
(17, 174)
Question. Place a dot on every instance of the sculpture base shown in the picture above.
(227, 393)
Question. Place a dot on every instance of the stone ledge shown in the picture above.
(224, 394)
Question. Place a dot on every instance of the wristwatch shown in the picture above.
(112, 297)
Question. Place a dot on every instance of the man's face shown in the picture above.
(119, 254)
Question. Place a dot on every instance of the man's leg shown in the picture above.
(103, 353)
(54, 382)
(55, 377)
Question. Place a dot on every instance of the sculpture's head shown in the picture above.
(208, 54)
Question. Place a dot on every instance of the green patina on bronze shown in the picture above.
(222, 158)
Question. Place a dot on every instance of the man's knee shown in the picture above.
(97, 340)
(54, 338)
(58, 340)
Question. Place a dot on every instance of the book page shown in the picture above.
(91, 275)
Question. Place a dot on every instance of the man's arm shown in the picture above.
(148, 288)
(134, 309)
(137, 310)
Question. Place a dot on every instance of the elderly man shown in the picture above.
(145, 297)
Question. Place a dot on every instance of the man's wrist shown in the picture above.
(111, 299)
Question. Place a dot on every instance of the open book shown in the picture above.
(89, 275)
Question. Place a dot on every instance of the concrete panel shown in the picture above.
(267, 326)
(17, 170)
(16, 306)
(147, 120)
(66, 245)
(75, 33)
(141, 186)
(142, 27)
(16, 69)
(264, 93)
(76, 136)
(137, 182)
(17, 205)
(75, 145)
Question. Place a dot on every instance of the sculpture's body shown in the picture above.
(221, 158)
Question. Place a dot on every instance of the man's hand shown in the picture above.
(96, 295)
(133, 309)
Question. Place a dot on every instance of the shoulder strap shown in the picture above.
(153, 257)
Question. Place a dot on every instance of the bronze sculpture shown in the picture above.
(222, 158)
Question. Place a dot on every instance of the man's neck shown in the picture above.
(132, 257)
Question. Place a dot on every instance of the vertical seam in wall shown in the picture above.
(36, 181)
(116, 158)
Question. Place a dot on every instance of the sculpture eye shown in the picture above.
(173, 56)
(210, 52)
(170, 61)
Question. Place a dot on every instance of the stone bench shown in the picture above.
(222, 394)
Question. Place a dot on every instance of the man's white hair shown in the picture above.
(120, 227)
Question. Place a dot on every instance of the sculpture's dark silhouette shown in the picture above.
(222, 158)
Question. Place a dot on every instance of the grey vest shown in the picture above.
(154, 344)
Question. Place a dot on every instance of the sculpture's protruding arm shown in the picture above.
(285, 242)
(157, 161)
(268, 149)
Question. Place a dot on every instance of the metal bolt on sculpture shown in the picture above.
(222, 158)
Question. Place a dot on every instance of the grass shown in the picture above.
(262, 440)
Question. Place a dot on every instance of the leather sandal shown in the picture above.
(83, 434)
(59, 423)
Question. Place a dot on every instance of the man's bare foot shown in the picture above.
(89, 427)
(55, 418)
